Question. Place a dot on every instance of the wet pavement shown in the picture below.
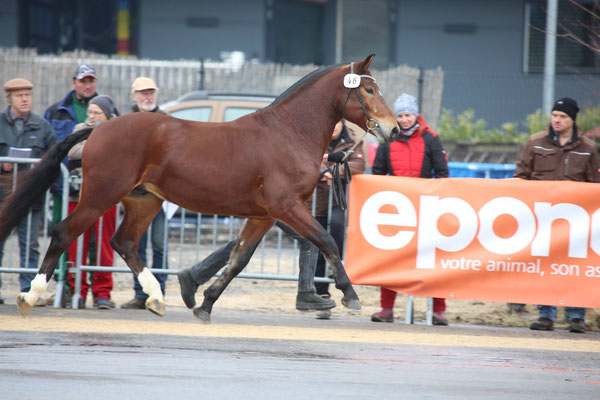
(132, 354)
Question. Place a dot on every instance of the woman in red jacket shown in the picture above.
(418, 152)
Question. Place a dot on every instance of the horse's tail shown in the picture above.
(35, 182)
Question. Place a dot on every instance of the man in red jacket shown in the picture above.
(418, 152)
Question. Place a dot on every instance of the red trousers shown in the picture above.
(389, 296)
(102, 282)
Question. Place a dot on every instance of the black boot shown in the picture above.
(188, 288)
(312, 301)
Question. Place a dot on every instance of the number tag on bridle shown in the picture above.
(352, 81)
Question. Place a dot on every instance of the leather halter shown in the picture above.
(371, 123)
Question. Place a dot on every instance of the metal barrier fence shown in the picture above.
(190, 237)
(11, 248)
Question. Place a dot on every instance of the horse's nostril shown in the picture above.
(395, 133)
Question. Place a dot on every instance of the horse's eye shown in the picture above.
(369, 90)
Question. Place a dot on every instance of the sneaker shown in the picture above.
(542, 324)
(577, 325)
(134, 304)
(439, 318)
(385, 315)
(102, 303)
(110, 301)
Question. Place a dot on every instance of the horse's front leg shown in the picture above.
(63, 234)
(251, 234)
(306, 225)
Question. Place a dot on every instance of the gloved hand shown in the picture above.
(338, 156)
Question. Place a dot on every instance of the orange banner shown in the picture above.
(506, 240)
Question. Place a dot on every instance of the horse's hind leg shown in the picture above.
(306, 225)
(63, 235)
(140, 208)
(250, 236)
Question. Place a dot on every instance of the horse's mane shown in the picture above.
(306, 79)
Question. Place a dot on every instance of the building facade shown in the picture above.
(490, 51)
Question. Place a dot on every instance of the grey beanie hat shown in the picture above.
(406, 104)
(107, 105)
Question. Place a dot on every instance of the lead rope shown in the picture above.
(338, 184)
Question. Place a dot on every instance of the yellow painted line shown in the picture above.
(76, 325)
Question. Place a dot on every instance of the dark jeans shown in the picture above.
(27, 260)
(572, 312)
(159, 253)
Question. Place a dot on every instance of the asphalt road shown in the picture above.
(132, 354)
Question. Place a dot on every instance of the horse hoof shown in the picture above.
(23, 306)
(202, 315)
(352, 304)
(156, 307)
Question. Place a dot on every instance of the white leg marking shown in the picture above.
(38, 287)
(150, 285)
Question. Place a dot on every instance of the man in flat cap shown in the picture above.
(144, 93)
(560, 153)
(23, 134)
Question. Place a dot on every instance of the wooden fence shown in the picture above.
(52, 76)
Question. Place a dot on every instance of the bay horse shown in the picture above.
(263, 166)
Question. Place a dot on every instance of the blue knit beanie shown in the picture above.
(406, 104)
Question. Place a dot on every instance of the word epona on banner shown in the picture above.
(501, 240)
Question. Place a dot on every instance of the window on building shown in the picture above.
(56, 26)
(579, 20)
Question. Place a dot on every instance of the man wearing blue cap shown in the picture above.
(65, 114)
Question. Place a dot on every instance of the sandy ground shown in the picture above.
(278, 297)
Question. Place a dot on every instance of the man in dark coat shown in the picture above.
(24, 134)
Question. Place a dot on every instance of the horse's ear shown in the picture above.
(366, 63)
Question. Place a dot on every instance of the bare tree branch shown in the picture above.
(575, 3)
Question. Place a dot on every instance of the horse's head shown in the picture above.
(363, 103)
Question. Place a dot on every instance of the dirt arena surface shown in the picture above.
(278, 297)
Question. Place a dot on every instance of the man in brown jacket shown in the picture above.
(560, 153)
